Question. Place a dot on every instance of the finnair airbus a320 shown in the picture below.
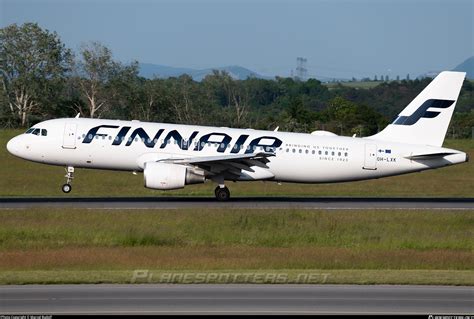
(172, 156)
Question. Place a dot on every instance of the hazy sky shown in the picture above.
(339, 38)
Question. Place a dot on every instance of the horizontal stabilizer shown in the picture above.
(428, 156)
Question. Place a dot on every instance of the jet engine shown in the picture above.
(166, 176)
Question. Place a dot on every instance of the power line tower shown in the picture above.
(301, 70)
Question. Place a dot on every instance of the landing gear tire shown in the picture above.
(222, 193)
(67, 188)
(69, 177)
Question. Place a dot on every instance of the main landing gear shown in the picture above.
(69, 177)
(222, 193)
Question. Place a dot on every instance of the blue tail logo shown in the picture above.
(422, 111)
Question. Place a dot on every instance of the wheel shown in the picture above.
(222, 193)
(67, 188)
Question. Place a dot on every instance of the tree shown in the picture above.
(32, 61)
(184, 97)
(352, 118)
(155, 102)
(124, 92)
(94, 72)
(230, 93)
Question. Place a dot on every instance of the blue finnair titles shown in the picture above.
(222, 140)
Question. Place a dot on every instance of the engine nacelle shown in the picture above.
(170, 176)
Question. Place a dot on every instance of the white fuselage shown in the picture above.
(302, 158)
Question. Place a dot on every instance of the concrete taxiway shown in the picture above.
(240, 202)
(236, 299)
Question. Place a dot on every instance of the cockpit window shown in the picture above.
(37, 131)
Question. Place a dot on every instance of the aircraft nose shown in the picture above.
(13, 146)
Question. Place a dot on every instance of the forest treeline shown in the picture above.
(43, 79)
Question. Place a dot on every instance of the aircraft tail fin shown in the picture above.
(426, 119)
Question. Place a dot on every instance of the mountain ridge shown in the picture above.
(467, 66)
(150, 70)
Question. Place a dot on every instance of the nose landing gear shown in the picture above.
(69, 177)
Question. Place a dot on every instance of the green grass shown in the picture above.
(257, 276)
(286, 228)
(23, 178)
(79, 245)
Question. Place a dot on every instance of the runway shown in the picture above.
(236, 299)
(358, 203)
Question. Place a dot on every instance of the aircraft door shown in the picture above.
(370, 160)
(69, 139)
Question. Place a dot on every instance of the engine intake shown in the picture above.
(167, 176)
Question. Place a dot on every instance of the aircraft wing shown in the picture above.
(229, 165)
